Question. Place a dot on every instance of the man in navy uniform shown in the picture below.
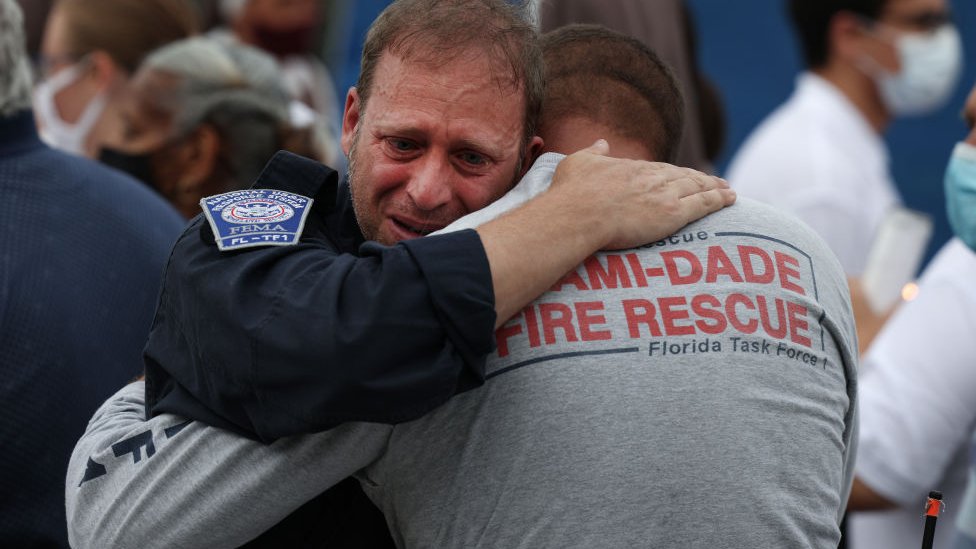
(360, 319)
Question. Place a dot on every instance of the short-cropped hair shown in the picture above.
(811, 19)
(438, 32)
(617, 81)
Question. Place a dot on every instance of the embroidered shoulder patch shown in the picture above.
(256, 217)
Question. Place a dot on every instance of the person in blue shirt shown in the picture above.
(81, 256)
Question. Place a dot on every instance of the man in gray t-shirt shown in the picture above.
(697, 390)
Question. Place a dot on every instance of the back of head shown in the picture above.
(614, 81)
(127, 30)
(439, 32)
(812, 18)
(15, 75)
(233, 87)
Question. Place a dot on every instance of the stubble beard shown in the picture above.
(360, 207)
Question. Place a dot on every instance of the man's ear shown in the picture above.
(105, 71)
(532, 151)
(851, 40)
(350, 119)
(846, 37)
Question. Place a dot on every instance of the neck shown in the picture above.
(860, 89)
(574, 133)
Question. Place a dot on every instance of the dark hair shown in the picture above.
(812, 18)
(601, 75)
(438, 31)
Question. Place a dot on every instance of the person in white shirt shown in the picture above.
(918, 389)
(820, 155)
(960, 189)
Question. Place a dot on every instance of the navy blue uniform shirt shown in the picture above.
(281, 340)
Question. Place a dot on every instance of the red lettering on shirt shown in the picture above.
(640, 312)
(788, 268)
(587, 321)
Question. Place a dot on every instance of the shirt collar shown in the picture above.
(18, 133)
(344, 227)
(841, 114)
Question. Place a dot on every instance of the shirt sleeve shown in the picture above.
(966, 520)
(277, 341)
(916, 394)
(172, 482)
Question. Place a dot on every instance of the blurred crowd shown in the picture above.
(121, 119)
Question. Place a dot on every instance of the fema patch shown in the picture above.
(256, 217)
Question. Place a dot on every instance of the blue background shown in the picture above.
(748, 49)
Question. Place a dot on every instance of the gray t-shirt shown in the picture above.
(695, 391)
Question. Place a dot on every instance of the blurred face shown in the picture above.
(432, 145)
(283, 14)
(56, 57)
(75, 102)
(282, 27)
(906, 17)
(147, 113)
(149, 147)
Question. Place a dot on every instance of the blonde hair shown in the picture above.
(127, 30)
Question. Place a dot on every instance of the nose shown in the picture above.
(430, 186)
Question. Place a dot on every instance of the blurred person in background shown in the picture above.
(81, 259)
(960, 187)
(667, 28)
(35, 17)
(917, 388)
(89, 51)
(821, 155)
(201, 117)
(288, 29)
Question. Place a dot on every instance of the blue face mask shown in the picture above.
(960, 190)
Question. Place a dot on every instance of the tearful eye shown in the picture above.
(474, 159)
(401, 145)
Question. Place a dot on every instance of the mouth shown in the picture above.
(412, 228)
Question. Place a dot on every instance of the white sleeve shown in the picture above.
(171, 482)
(916, 393)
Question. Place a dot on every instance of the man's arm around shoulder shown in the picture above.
(171, 482)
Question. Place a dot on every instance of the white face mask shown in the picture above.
(54, 130)
(930, 67)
